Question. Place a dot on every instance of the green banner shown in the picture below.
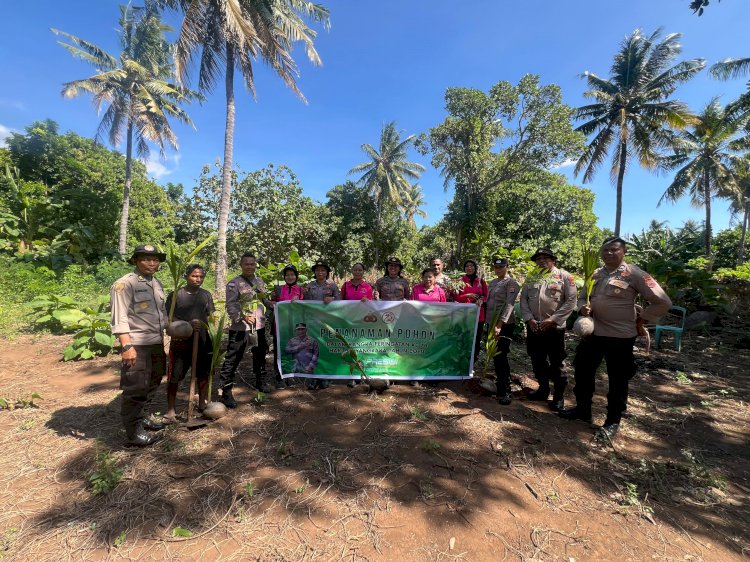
(402, 340)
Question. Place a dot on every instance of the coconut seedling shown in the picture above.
(584, 325)
(351, 358)
(491, 350)
(215, 328)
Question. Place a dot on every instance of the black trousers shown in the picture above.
(502, 366)
(139, 383)
(547, 352)
(236, 351)
(618, 353)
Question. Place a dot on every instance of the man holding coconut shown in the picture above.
(138, 320)
(617, 323)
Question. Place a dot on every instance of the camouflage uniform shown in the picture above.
(239, 290)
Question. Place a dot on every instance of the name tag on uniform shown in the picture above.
(619, 283)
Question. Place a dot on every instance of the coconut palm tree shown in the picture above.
(135, 89)
(387, 172)
(706, 155)
(225, 35)
(632, 109)
(740, 203)
(411, 201)
(734, 68)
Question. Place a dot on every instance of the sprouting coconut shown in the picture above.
(584, 325)
(488, 385)
(179, 329)
(214, 410)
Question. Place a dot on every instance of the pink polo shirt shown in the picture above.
(289, 293)
(435, 294)
(352, 292)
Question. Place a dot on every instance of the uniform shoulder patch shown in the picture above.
(571, 281)
(650, 281)
(118, 287)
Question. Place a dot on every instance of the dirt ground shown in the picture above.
(413, 474)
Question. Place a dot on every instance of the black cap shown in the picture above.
(474, 263)
(321, 263)
(544, 252)
(499, 261)
(290, 268)
(300, 325)
(393, 261)
(147, 250)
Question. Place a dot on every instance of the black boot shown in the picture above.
(558, 400)
(541, 394)
(139, 438)
(576, 414)
(261, 384)
(227, 399)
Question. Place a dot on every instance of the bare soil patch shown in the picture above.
(413, 474)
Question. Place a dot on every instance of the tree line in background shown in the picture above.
(62, 197)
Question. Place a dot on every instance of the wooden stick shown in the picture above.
(193, 367)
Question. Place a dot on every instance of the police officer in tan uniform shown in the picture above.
(501, 323)
(617, 322)
(392, 287)
(138, 319)
(546, 304)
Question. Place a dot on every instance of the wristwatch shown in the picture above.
(126, 347)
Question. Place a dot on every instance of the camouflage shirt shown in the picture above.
(392, 289)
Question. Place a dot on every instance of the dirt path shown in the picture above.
(413, 474)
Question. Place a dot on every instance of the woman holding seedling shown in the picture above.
(474, 291)
(193, 305)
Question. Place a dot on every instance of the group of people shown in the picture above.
(139, 319)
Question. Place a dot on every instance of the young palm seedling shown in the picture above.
(584, 325)
(215, 327)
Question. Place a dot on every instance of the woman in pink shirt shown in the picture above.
(289, 291)
(474, 291)
(428, 290)
(357, 289)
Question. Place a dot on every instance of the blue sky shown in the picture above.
(382, 61)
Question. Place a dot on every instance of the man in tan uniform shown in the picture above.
(546, 304)
(138, 319)
(501, 322)
(617, 322)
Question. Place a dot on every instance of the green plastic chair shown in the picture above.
(681, 314)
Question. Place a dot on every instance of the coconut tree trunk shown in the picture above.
(620, 178)
(707, 203)
(379, 232)
(123, 242)
(226, 179)
(743, 237)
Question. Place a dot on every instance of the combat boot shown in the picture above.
(558, 400)
(139, 438)
(261, 384)
(576, 413)
(227, 399)
(541, 394)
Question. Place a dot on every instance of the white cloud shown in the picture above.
(565, 164)
(4, 134)
(159, 168)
